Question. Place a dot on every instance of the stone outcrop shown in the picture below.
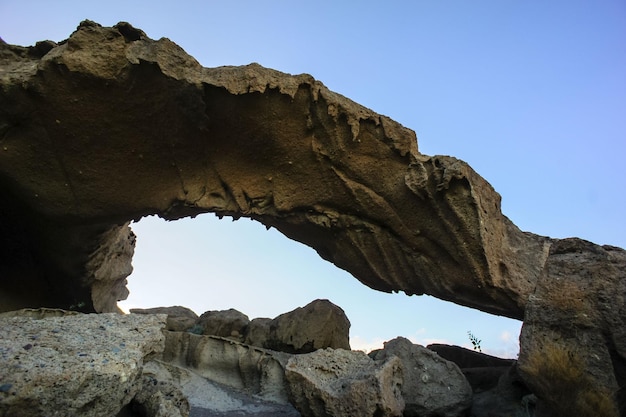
(80, 118)
(210, 398)
(249, 369)
(87, 365)
(573, 340)
(158, 397)
(109, 126)
(433, 386)
(318, 325)
(344, 383)
(482, 371)
(179, 319)
(225, 323)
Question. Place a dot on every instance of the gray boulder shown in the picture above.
(249, 369)
(224, 323)
(179, 319)
(87, 365)
(344, 383)
(433, 386)
(210, 398)
(159, 397)
(318, 325)
(573, 341)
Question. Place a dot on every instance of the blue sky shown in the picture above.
(532, 94)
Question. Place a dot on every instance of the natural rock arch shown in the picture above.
(118, 126)
(109, 126)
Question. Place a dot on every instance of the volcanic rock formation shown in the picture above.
(110, 126)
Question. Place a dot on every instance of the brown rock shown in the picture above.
(466, 358)
(159, 398)
(179, 319)
(344, 383)
(84, 152)
(318, 325)
(225, 323)
(433, 386)
(258, 331)
(249, 369)
(236, 141)
(573, 341)
(77, 364)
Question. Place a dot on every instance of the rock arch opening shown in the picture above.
(206, 263)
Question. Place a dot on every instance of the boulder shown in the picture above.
(179, 319)
(573, 340)
(249, 369)
(509, 397)
(84, 365)
(159, 398)
(482, 371)
(433, 386)
(210, 398)
(466, 358)
(225, 323)
(344, 383)
(258, 331)
(318, 325)
(84, 153)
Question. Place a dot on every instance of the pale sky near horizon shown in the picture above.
(532, 94)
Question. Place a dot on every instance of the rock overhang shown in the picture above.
(109, 126)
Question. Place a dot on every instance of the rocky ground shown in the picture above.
(144, 365)
(84, 153)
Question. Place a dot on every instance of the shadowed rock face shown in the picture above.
(110, 126)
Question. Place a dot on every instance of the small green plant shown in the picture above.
(475, 341)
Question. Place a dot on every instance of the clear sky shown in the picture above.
(532, 94)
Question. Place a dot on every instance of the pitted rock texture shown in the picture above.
(179, 319)
(318, 325)
(339, 382)
(87, 365)
(252, 370)
(574, 344)
(433, 386)
(109, 126)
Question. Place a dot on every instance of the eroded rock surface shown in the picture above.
(433, 386)
(179, 319)
(252, 370)
(573, 340)
(318, 325)
(110, 126)
(345, 383)
(87, 365)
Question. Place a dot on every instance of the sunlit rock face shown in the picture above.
(109, 126)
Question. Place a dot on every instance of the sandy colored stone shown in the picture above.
(110, 126)
(433, 386)
(318, 325)
(337, 382)
(236, 141)
(87, 364)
